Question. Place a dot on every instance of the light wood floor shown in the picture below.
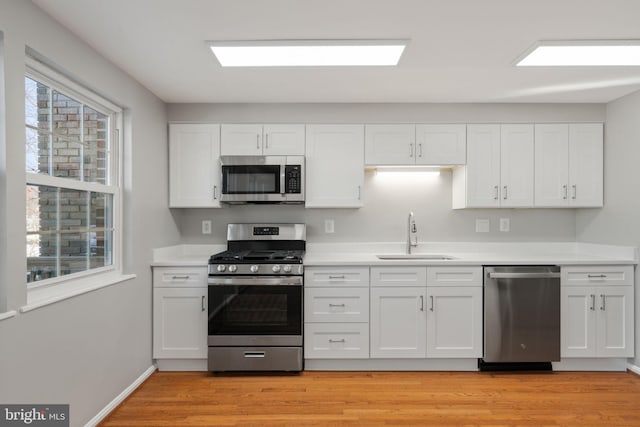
(383, 398)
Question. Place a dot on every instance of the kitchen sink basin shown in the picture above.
(436, 257)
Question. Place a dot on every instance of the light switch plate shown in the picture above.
(505, 224)
(482, 226)
(206, 227)
(329, 226)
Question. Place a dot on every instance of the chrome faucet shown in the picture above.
(412, 233)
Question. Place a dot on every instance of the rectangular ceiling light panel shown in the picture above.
(308, 53)
(583, 53)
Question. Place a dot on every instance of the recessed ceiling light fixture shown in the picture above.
(582, 53)
(307, 53)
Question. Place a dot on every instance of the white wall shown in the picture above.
(86, 350)
(619, 221)
(387, 203)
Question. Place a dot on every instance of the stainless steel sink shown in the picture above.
(437, 257)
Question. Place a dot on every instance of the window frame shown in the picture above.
(56, 81)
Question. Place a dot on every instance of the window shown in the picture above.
(72, 191)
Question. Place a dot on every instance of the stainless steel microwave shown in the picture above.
(262, 179)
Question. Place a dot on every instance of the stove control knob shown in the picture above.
(276, 268)
(254, 268)
(233, 268)
(287, 269)
(221, 268)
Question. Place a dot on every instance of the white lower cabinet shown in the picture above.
(179, 313)
(336, 340)
(398, 322)
(597, 312)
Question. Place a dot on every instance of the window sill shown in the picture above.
(8, 315)
(40, 297)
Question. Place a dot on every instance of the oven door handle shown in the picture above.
(256, 281)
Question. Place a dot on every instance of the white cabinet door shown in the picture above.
(483, 166)
(334, 166)
(551, 165)
(390, 144)
(194, 166)
(241, 139)
(516, 165)
(586, 165)
(283, 140)
(441, 144)
(615, 321)
(398, 322)
(578, 321)
(180, 323)
(454, 321)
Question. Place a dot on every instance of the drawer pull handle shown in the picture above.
(337, 305)
(337, 341)
(597, 276)
(254, 354)
(180, 278)
(336, 277)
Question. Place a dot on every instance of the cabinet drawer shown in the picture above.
(401, 276)
(454, 276)
(336, 304)
(597, 275)
(186, 277)
(336, 276)
(336, 341)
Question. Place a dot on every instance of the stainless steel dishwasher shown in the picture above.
(521, 316)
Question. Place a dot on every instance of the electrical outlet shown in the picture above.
(206, 227)
(505, 224)
(482, 226)
(329, 226)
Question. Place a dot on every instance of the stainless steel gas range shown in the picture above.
(255, 299)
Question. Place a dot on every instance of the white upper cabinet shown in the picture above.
(444, 144)
(516, 166)
(334, 166)
(569, 165)
(499, 170)
(257, 139)
(390, 144)
(194, 166)
(405, 144)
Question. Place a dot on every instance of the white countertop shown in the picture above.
(462, 253)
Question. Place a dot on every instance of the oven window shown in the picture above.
(264, 179)
(255, 310)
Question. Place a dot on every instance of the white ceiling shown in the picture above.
(460, 50)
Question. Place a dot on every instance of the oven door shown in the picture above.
(255, 311)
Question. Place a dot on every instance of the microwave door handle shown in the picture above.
(282, 180)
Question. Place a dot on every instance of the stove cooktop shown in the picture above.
(258, 257)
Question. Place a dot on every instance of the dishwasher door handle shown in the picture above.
(524, 275)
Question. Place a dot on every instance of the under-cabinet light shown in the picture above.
(307, 53)
(408, 170)
(582, 53)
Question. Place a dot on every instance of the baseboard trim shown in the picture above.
(120, 398)
(633, 368)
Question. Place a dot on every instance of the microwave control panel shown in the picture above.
(292, 179)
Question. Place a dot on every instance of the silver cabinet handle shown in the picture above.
(419, 150)
(257, 141)
(337, 305)
(421, 303)
(431, 298)
(359, 193)
(215, 187)
(334, 341)
(564, 189)
(266, 143)
(410, 150)
(505, 192)
(597, 276)
(180, 278)
(203, 305)
(593, 302)
(603, 306)
(574, 187)
(495, 189)
(337, 277)
(254, 354)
